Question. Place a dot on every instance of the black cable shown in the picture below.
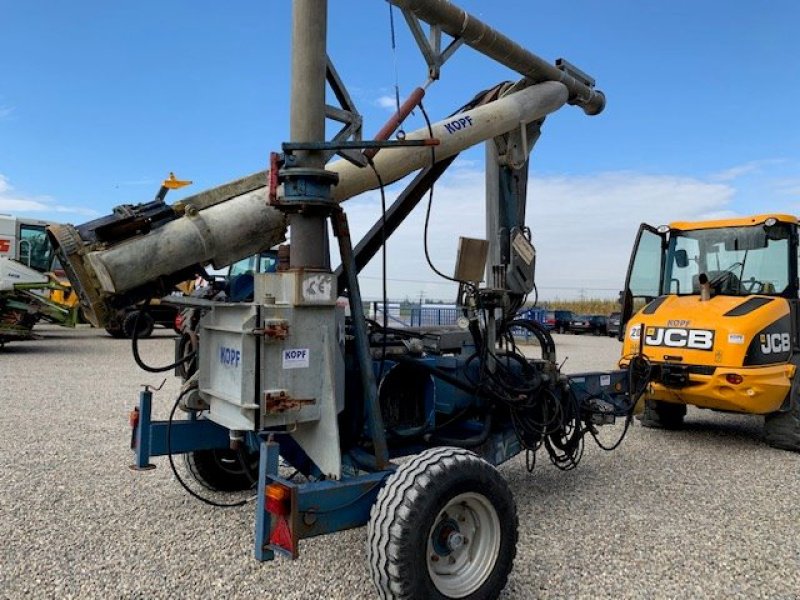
(175, 470)
(428, 211)
(383, 259)
(135, 348)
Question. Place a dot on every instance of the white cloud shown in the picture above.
(386, 102)
(735, 172)
(13, 203)
(583, 228)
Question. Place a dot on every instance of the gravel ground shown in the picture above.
(707, 512)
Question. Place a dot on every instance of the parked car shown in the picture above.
(558, 320)
(595, 324)
(613, 324)
(600, 324)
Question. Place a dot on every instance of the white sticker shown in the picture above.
(605, 380)
(524, 248)
(735, 338)
(296, 358)
(635, 331)
(318, 288)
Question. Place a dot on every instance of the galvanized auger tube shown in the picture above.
(224, 224)
(458, 23)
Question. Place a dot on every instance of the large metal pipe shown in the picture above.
(233, 223)
(478, 35)
(454, 134)
(307, 123)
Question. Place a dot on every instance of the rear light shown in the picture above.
(278, 499)
(278, 502)
(179, 321)
(734, 378)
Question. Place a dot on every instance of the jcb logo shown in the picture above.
(676, 337)
(775, 343)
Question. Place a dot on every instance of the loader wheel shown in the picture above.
(443, 526)
(662, 415)
(782, 429)
(146, 324)
(223, 470)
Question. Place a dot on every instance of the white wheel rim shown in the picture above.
(463, 545)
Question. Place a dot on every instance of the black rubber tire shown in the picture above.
(782, 429)
(146, 324)
(662, 415)
(403, 516)
(114, 330)
(221, 470)
(186, 368)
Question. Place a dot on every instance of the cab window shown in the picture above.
(34, 248)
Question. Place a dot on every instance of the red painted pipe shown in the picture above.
(397, 119)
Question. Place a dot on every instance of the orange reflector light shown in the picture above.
(278, 499)
(276, 491)
(734, 378)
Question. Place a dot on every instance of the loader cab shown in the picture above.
(735, 257)
(25, 240)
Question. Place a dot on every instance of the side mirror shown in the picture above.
(681, 259)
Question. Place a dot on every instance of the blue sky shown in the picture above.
(100, 100)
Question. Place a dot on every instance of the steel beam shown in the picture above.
(459, 24)
(383, 228)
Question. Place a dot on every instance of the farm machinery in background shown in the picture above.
(718, 321)
(32, 286)
(288, 379)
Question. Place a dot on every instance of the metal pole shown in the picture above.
(478, 35)
(309, 243)
(368, 385)
(492, 208)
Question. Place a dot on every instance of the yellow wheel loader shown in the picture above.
(717, 323)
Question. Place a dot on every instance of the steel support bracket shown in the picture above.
(431, 45)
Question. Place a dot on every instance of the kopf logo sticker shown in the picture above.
(679, 337)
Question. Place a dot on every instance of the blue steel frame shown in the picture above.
(324, 506)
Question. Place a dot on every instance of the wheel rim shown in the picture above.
(230, 463)
(463, 545)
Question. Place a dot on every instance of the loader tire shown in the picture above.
(145, 324)
(223, 470)
(662, 415)
(444, 525)
(782, 429)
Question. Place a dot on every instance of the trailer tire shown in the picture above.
(146, 324)
(662, 415)
(114, 328)
(221, 469)
(782, 429)
(443, 526)
(186, 368)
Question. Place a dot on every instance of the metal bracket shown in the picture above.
(431, 45)
(345, 113)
